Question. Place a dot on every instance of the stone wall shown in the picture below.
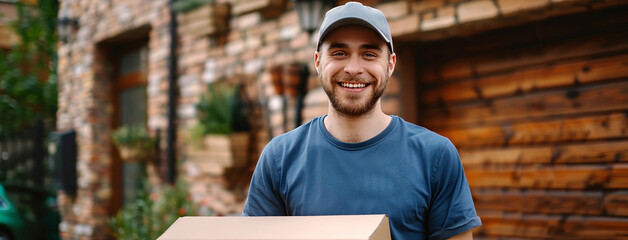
(85, 104)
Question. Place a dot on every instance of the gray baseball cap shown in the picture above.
(354, 13)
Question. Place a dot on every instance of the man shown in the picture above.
(357, 159)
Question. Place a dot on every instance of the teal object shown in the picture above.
(27, 213)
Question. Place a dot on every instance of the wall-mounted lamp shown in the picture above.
(311, 12)
(66, 27)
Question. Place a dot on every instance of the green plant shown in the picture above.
(134, 143)
(183, 6)
(28, 71)
(152, 213)
(221, 110)
(133, 135)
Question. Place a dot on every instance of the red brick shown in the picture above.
(289, 32)
(247, 55)
(310, 112)
(268, 26)
(299, 41)
(316, 97)
(276, 119)
(234, 35)
(267, 50)
(271, 36)
(305, 55)
(253, 42)
(290, 18)
(248, 20)
(234, 47)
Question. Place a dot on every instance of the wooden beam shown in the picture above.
(542, 226)
(576, 48)
(551, 177)
(598, 152)
(578, 100)
(546, 201)
(616, 203)
(568, 129)
(546, 76)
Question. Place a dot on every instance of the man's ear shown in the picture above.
(391, 64)
(317, 61)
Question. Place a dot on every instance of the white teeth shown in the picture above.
(353, 85)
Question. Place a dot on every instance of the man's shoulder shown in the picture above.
(297, 135)
(420, 133)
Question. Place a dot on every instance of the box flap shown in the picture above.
(373, 227)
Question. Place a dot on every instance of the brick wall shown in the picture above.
(86, 106)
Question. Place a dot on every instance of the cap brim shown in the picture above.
(351, 21)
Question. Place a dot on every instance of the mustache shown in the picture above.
(356, 79)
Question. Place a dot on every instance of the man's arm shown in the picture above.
(463, 236)
(263, 198)
(452, 212)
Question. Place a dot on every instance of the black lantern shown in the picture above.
(67, 26)
(311, 12)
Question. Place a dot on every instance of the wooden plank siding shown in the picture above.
(540, 119)
(555, 154)
(566, 129)
(531, 79)
(553, 226)
(576, 100)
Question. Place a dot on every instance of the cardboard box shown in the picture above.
(373, 227)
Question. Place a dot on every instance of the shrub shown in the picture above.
(152, 213)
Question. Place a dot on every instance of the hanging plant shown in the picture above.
(134, 143)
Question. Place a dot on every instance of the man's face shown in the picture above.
(354, 65)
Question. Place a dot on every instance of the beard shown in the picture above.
(352, 105)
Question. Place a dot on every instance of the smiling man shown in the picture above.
(357, 159)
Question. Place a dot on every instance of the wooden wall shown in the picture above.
(539, 114)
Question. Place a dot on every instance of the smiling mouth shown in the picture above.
(353, 85)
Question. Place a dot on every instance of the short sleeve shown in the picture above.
(264, 198)
(451, 211)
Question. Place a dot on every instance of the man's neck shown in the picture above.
(355, 129)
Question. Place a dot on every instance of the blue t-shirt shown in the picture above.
(407, 172)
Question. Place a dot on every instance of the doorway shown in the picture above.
(128, 62)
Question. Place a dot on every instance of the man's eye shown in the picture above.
(338, 54)
(370, 55)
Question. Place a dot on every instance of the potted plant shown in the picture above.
(203, 17)
(134, 143)
(221, 135)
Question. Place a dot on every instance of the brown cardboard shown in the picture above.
(354, 227)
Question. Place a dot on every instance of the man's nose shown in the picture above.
(353, 66)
